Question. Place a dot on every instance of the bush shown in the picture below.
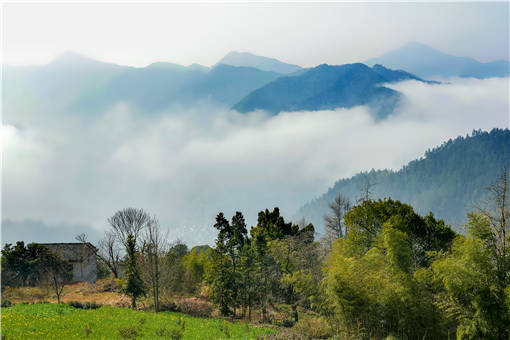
(86, 305)
(168, 306)
(314, 327)
(110, 285)
(225, 329)
(195, 307)
(129, 332)
(288, 323)
(6, 303)
(284, 334)
(176, 334)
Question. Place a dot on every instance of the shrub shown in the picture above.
(168, 306)
(162, 332)
(314, 327)
(176, 334)
(6, 303)
(284, 334)
(86, 305)
(225, 329)
(288, 323)
(195, 307)
(129, 332)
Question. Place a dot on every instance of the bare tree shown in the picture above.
(153, 249)
(129, 221)
(366, 190)
(497, 212)
(334, 223)
(58, 272)
(108, 252)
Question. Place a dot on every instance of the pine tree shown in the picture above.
(134, 286)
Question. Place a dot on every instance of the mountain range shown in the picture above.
(327, 87)
(427, 62)
(449, 180)
(262, 63)
(245, 82)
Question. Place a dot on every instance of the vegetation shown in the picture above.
(449, 180)
(386, 272)
(48, 321)
(34, 265)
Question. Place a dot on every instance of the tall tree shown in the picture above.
(129, 221)
(334, 223)
(133, 285)
(221, 275)
(153, 249)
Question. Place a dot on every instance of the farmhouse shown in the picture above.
(80, 256)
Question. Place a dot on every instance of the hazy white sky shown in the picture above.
(304, 34)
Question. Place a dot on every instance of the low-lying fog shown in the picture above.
(64, 174)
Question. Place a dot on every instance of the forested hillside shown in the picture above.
(449, 180)
(327, 87)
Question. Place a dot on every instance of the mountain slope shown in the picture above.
(228, 84)
(448, 180)
(328, 87)
(426, 61)
(58, 84)
(262, 63)
(75, 84)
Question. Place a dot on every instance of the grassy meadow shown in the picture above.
(51, 321)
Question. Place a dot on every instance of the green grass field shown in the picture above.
(50, 321)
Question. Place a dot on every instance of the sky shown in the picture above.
(306, 34)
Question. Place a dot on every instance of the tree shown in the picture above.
(374, 293)
(475, 275)
(133, 286)
(221, 276)
(174, 270)
(298, 260)
(334, 223)
(108, 252)
(21, 265)
(366, 190)
(129, 221)
(153, 249)
(424, 233)
(58, 272)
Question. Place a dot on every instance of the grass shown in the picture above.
(51, 321)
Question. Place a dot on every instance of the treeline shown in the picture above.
(449, 180)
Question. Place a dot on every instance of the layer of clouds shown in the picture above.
(185, 167)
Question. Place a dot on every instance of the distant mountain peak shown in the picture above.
(166, 65)
(247, 59)
(70, 57)
(426, 61)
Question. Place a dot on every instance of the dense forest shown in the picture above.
(449, 180)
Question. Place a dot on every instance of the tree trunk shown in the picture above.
(296, 315)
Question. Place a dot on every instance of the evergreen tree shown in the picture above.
(133, 286)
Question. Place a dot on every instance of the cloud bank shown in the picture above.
(185, 167)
